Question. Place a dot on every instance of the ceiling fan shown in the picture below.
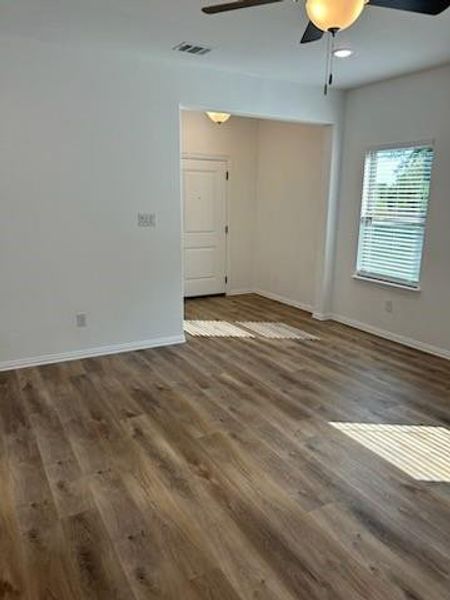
(334, 15)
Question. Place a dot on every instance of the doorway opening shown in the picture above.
(255, 201)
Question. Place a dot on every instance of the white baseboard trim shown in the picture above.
(393, 337)
(46, 359)
(382, 333)
(240, 292)
(322, 316)
(284, 300)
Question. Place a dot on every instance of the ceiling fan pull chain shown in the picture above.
(329, 61)
(327, 67)
(333, 37)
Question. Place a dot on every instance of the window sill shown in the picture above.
(386, 283)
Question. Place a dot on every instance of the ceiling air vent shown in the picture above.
(188, 48)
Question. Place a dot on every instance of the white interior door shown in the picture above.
(204, 227)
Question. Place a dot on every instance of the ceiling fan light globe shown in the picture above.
(334, 14)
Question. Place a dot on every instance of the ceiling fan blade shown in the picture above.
(312, 34)
(426, 7)
(219, 8)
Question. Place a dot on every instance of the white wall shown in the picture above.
(235, 141)
(88, 139)
(403, 110)
(291, 196)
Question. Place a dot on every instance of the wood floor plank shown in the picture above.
(12, 563)
(97, 568)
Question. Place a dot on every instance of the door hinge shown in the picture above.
(227, 175)
(226, 229)
(226, 278)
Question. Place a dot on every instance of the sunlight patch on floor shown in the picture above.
(421, 451)
(246, 329)
(215, 329)
(276, 330)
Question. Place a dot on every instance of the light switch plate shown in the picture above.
(146, 220)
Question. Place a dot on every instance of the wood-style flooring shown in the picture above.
(210, 471)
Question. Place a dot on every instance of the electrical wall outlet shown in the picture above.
(146, 220)
(388, 307)
(81, 320)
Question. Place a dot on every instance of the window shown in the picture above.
(394, 213)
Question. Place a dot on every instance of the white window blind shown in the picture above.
(394, 213)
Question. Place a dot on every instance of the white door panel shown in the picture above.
(199, 210)
(200, 263)
(204, 227)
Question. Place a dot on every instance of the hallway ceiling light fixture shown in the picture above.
(218, 117)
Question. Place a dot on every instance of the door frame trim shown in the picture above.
(222, 158)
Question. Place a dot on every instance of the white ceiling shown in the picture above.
(261, 41)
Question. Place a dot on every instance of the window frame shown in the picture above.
(379, 280)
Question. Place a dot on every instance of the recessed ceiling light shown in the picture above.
(343, 53)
